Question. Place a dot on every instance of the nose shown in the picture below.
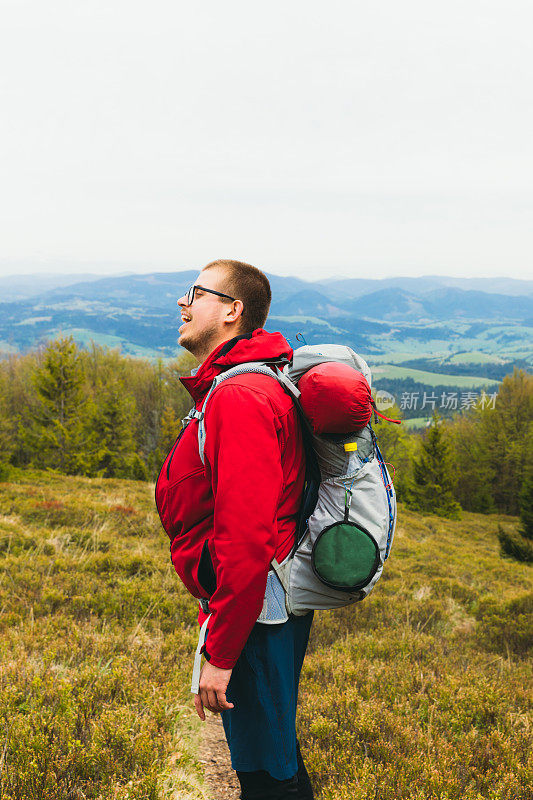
(182, 301)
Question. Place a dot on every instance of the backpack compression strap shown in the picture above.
(388, 419)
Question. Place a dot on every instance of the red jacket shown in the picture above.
(229, 519)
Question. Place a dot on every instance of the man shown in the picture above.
(229, 518)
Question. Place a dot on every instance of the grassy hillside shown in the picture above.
(95, 645)
(420, 692)
(424, 691)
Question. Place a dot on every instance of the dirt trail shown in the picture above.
(214, 755)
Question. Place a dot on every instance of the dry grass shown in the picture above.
(423, 691)
(96, 636)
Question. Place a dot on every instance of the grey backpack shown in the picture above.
(348, 511)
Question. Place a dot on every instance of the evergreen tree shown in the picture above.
(18, 397)
(505, 435)
(53, 404)
(56, 431)
(474, 462)
(7, 446)
(7, 440)
(519, 544)
(433, 478)
(169, 429)
(113, 427)
(492, 446)
(173, 403)
(526, 505)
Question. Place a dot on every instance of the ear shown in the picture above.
(234, 311)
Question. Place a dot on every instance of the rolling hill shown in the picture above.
(388, 321)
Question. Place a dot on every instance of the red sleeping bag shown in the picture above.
(335, 398)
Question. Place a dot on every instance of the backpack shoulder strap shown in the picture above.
(259, 367)
(312, 476)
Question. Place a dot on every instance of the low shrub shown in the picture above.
(513, 544)
(506, 626)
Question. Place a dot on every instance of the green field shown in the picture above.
(475, 358)
(458, 344)
(416, 422)
(393, 371)
(420, 693)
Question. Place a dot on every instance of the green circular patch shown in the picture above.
(345, 556)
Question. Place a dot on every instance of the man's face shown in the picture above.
(203, 321)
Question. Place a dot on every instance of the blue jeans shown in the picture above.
(261, 729)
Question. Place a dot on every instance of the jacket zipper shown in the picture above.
(173, 451)
(168, 465)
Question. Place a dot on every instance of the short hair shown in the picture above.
(250, 285)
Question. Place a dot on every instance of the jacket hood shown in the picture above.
(256, 346)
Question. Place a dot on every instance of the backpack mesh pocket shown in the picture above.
(274, 608)
(345, 556)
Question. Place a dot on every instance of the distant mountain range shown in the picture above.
(391, 320)
(21, 287)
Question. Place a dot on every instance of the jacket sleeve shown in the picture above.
(243, 461)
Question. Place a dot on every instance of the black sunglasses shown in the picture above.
(190, 293)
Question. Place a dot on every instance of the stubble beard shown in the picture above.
(199, 344)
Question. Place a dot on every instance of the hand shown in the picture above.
(213, 684)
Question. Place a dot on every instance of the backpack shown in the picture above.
(348, 512)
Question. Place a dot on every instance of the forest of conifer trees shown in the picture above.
(98, 413)
(90, 411)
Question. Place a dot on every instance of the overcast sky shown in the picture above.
(363, 139)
